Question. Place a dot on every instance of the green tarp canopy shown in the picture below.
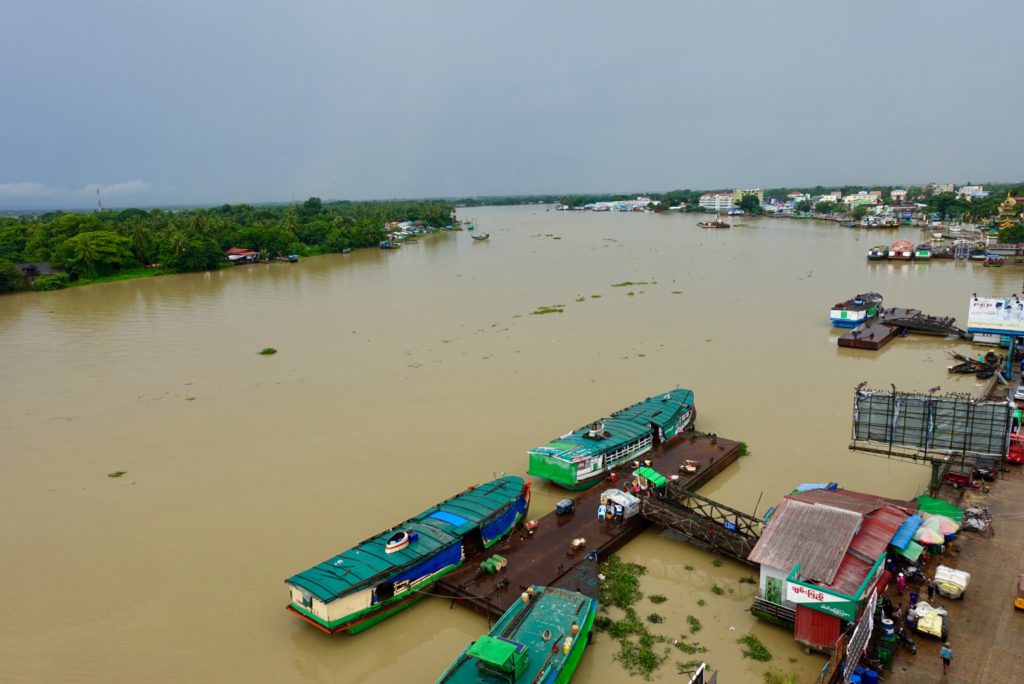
(912, 552)
(494, 652)
(927, 504)
(651, 475)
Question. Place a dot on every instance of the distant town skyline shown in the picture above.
(199, 103)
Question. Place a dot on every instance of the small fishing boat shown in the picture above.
(901, 250)
(389, 244)
(717, 223)
(878, 253)
(539, 639)
(583, 457)
(853, 312)
(994, 260)
(923, 252)
(358, 588)
(481, 237)
(848, 224)
(470, 226)
(347, 250)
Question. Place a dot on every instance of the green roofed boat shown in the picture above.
(583, 457)
(356, 589)
(539, 640)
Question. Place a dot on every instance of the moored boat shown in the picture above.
(979, 251)
(853, 312)
(380, 576)
(848, 224)
(717, 223)
(923, 252)
(901, 250)
(541, 638)
(389, 244)
(480, 237)
(994, 260)
(878, 253)
(582, 458)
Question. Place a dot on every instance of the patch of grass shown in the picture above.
(117, 473)
(267, 351)
(657, 598)
(554, 308)
(655, 619)
(717, 562)
(630, 283)
(694, 624)
(743, 450)
(717, 590)
(748, 580)
(701, 602)
(754, 650)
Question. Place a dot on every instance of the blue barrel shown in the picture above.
(870, 677)
(855, 679)
(888, 630)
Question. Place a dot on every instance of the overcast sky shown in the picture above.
(211, 101)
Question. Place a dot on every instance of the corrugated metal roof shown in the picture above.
(814, 536)
(846, 499)
(877, 531)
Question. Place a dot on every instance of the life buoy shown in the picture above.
(397, 542)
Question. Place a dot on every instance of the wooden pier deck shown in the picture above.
(546, 558)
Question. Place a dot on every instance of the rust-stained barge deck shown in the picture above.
(545, 556)
(893, 322)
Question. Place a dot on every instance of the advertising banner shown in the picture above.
(996, 316)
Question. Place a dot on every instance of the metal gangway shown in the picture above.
(703, 522)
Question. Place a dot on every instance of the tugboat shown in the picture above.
(541, 638)
(878, 253)
(853, 312)
(717, 223)
(358, 588)
(583, 457)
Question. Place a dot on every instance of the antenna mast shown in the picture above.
(99, 201)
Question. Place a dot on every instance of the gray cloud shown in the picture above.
(261, 100)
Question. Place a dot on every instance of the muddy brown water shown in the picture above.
(401, 378)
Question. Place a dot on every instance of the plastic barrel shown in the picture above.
(870, 677)
(855, 679)
(887, 628)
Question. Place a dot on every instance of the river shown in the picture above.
(402, 377)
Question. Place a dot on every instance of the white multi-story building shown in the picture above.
(862, 197)
(970, 190)
(739, 193)
(716, 201)
(831, 197)
(898, 195)
(942, 187)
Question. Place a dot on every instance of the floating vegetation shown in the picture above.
(639, 657)
(541, 310)
(117, 473)
(657, 598)
(630, 283)
(743, 450)
(701, 602)
(190, 398)
(717, 562)
(689, 649)
(642, 355)
(717, 590)
(687, 567)
(595, 296)
(655, 618)
(556, 238)
(754, 650)
(792, 659)
(776, 677)
(694, 624)
(267, 351)
(748, 580)
(581, 298)
(621, 585)
(677, 292)
(689, 667)
(640, 652)
(631, 294)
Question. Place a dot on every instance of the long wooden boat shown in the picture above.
(878, 253)
(853, 312)
(539, 639)
(480, 237)
(356, 589)
(901, 250)
(581, 458)
(717, 223)
(923, 252)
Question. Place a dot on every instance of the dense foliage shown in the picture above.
(104, 244)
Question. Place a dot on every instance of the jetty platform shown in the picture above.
(546, 556)
(892, 323)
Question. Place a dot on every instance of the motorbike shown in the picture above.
(906, 640)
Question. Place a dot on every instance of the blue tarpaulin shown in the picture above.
(906, 532)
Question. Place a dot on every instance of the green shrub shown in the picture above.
(56, 281)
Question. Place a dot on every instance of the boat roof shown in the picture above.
(438, 527)
(549, 614)
(623, 426)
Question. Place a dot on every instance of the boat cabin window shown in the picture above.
(384, 591)
(307, 599)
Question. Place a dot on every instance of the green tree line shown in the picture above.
(103, 244)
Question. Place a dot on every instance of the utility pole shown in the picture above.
(99, 201)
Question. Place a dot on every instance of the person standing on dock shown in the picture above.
(931, 588)
(901, 582)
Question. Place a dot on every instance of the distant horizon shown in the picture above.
(174, 206)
